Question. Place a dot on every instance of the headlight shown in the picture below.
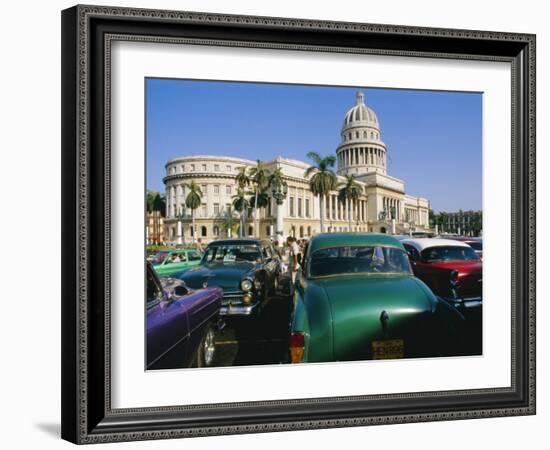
(246, 285)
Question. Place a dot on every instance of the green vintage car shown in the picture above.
(168, 262)
(356, 298)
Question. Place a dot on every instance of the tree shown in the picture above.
(241, 204)
(242, 178)
(259, 200)
(193, 201)
(323, 179)
(156, 202)
(227, 222)
(258, 178)
(275, 178)
(349, 190)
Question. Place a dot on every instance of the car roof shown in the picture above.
(327, 240)
(465, 238)
(423, 243)
(238, 241)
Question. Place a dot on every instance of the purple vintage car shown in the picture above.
(181, 323)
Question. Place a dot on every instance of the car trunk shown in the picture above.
(379, 309)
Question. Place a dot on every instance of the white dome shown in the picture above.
(360, 115)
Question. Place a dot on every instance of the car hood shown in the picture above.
(357, 304)
(461, 266)
(226, 275)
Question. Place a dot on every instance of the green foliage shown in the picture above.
(242, 179)
(261, 198)
(349, 189)
(258, 175)
(194, 197)
(240, 202)
(156, 202)
(323, 179)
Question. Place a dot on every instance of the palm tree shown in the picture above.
(193, 201)
(241, 204)
(242, 178)
(275, 178)
(259, 200)
(349, 190)
(227, 223)
(155, 202)
(258, 177)
(323, 179)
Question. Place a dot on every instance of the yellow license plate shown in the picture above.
(393, 349)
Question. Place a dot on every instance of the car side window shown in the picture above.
(266, 252)
(154, 291)
(412, 252)
(194, 256)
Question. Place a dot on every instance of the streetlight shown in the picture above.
(180, 234)
(279, 191)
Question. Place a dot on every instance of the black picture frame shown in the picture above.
(87, 415)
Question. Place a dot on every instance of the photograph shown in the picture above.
(293, 223)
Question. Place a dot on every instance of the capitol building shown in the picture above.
(384, 206)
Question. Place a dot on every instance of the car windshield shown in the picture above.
(358, 259)
(449, 253)
(476, 245)
(158, 258)
(232, 253)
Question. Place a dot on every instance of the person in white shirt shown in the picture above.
(294, 259)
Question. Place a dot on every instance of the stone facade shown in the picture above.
(384, 206)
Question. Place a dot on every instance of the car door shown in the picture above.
(182, 264)
(167, 327)
(193, 258)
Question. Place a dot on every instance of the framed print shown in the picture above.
(282, 224)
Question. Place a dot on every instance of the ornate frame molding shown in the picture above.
(86, 194)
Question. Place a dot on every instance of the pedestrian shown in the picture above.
(199, 245)
(294, 260)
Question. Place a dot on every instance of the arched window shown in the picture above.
(191, 230)
(301, 232)
(309, 231)
(250, 231)
(216, 231)
(203, 231)
(383, 230)
(267, 231)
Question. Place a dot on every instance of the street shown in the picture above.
(262, 340)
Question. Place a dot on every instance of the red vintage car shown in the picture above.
(436, 261)
(453, 271)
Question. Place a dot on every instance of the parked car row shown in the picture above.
(367, 296)
(188, 299)
(357, 296)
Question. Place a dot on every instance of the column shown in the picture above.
(280, 224)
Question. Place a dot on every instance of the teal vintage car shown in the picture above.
(356, 298)
(168, 262)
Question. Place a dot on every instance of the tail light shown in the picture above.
(296, 347)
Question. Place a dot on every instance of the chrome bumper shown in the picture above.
(238, 310)
(467, 302)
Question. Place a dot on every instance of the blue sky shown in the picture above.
(434, 138)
